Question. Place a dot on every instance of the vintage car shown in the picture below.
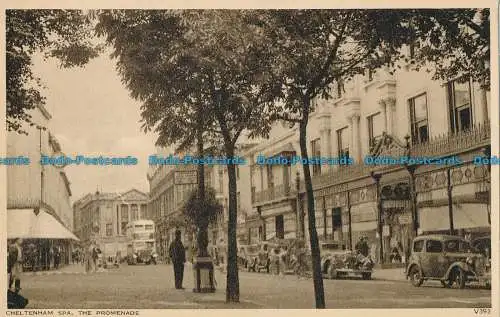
(260, 260)
(448, 259)
(337, 262)
(247, 255)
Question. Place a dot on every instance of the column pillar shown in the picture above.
(384, 110)
(334, 142)
(325, 147)
(355, 138)
(119, 220)
(390, 107)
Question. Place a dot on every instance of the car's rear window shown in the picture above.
(433, 246)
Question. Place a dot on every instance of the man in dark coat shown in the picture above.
(362, 246)
(14, 264)
(177, 253)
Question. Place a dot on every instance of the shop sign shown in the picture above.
(186, 177)
(405, 219)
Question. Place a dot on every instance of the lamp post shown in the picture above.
(376, 178)
(413, 190)
(300, 214)
(450, 201)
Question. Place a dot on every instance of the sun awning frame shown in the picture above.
(26, 224)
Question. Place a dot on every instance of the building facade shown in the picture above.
(380, 115)
(35, 188)
(103, 218)
(171, 185)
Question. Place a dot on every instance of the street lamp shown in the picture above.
(376, 178)
(413, 190)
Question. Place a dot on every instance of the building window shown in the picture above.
(270, 177)
(109, 229)
(340, 88)
(343, 142)
(316, 152)
(418, 119)
(460, 106)
(135, 212)
(414, 47)
(144, 214)
(280, 227)
(124, 219)
(221, 181)
(375, 127)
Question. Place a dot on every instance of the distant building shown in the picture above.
(103, 217)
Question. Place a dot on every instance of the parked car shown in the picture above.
(247, 255)
(261, 260)
(448, 259)
(337, 262)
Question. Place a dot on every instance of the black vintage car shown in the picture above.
(449, 259)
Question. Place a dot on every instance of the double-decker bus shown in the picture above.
(141, 247)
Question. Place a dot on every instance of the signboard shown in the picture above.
(404, 219)
(186, 177)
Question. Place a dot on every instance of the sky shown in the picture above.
(92, 115)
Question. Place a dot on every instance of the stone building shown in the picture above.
(38, 196)
(103, 217)
(377, 115)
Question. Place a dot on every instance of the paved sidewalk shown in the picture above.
(389, 274)
(67, 269)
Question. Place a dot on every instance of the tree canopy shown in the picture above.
(63, 34)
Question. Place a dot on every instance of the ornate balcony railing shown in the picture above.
(439, 146)
(272, 193)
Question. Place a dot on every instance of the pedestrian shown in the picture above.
(57, 257)
(178, 255)
(14, 264)
(362, 246)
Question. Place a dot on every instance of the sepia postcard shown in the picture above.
(189, 158)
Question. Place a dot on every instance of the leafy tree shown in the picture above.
(453, 41)
(63, 34)
(201, 213)
(178, 62)
(317, 48)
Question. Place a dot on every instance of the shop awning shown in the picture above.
(24, 223)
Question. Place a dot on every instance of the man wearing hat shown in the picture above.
(362, 246)
(177, 253)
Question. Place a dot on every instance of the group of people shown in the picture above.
(90, 257)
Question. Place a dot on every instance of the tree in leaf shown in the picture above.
(178, 60)
(63, 34)
(317, 48)
(202, 213)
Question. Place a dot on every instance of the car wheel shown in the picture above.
(459, 277)
(415, 276)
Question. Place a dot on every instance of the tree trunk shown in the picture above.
(202, 235)
(319, 291)
(233, 284)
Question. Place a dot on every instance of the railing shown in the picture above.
(272, 193)
(439, 146)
